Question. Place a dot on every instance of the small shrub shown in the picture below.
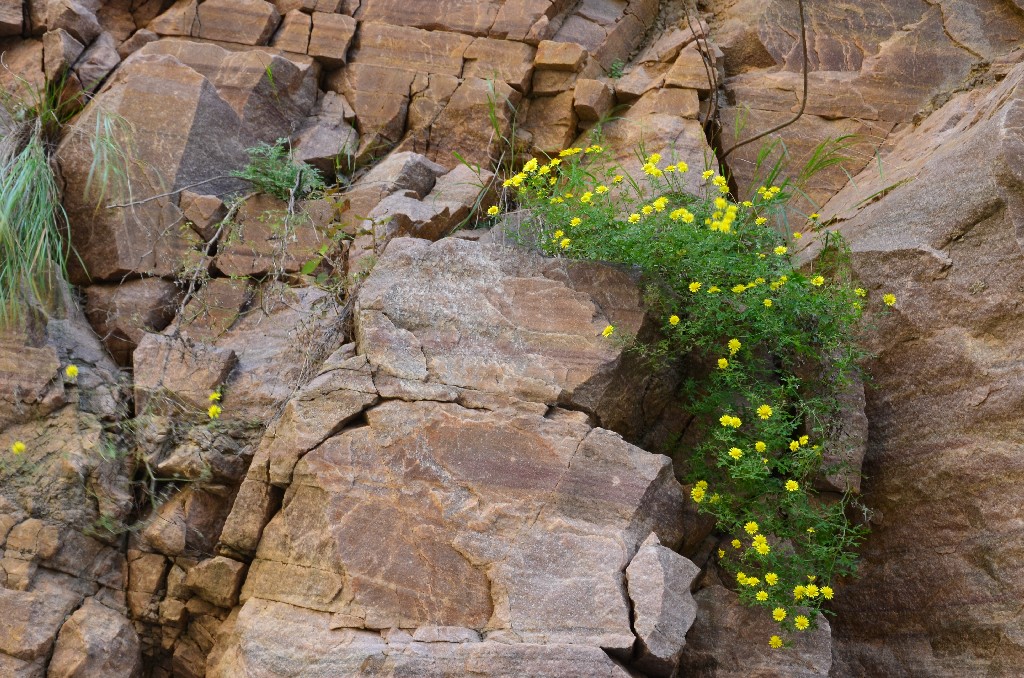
(274, 171)
(769, 349)
(616, 69)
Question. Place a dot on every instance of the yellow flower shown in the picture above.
(889, 299)
(736, 453)
(18, 447)
(738, 289)
(654, 158)
(817, 281)
(214, 411)
(764, 412)
(706, 174)
(633, 218)
(565, 243)
(775, 642)
(812, 215)
(811, 590)
(575, 221)
(721, 203)
(728, 420)
(713, 289)
(794, 445)
(214, 397)
(555, 162)
(557, 234)
(659, 204)
(810, 530)
(827, 593)
(781, 250)
(71, 371)
(601, 190)
(673, 320)
(760, 446)
(762, 596)
(646, 209)
(697, 494)
(682, 166)
(767, 303)
(771, 578)
(752, 581)
(797, 235)
(586, 197)
(861, 292)
(751, 527)
(719, 181)
(544, 170)
(804, 440)
(721, 553)
(734, 346)
(651, 169)
(530, 165)
(695, 287)
(801, 622)
(617, 179)
(493, 210)
(607, 332)
(792, 486)
(723, 363)
(736, 543)
(778, 614)
(798, 592)
(761, 221)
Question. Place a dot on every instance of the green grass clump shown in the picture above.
(769, 349)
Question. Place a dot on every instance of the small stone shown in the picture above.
(559, 56)
(330, 38)
(217, 581)
(593, 100)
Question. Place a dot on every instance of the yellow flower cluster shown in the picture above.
(730, 421)
(18, 448)
(699, 491)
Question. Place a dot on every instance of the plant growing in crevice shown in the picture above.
(273, 170)
(769, 349)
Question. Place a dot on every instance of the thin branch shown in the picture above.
(170, 193)
(803, 103)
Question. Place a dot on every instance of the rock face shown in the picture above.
(944, 502)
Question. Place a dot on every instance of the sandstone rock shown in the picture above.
(249, 22)
(729, 639)
(267, 239)
(30, 383)
(399, 215)
(954, 256)
(592, 100)
(180, 369)
(640, 80)
(74, 18)
(667, 46)
(511, 62)
(217, 580)
(559, 56)
(330, 38)
(289, 639)
(29, 621)
(460, 191)
(379, 95)
(96, 641)
(293, 35)
(187, 523)
(202, 456)
(410, 49)
(181, 19)
(98, 61)
(60, 50)
(547, 83)
(659, 581)
(691, 70)
(472, 17)
(24, 74)
(215, 308)
(445, 634)
(327, 141)
(464, 125)
(137, 41)
(203, 213)
(11, 18)
(122, 314)
(553, 123)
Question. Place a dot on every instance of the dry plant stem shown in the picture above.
(708, 70)
(133, 203)
(803, 103)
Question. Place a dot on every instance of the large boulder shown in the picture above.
(941, 228)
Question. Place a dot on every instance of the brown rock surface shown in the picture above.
(96, 641)
(330, 38)
(10, 18)
(122, 314)
(249, 22)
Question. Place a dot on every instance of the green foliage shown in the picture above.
(769, 348)
(616, 69)
(274, 171)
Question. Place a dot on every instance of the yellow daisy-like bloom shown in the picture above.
(813, 215)
(767, 303)
(780, 250)
(569, 151)
(801, 622)
(695, 287)
(761, 595)
(798, 592)
(607, 332)
(761, 221)
(810, 530)
(654, 158)
(214, 411)
(71, 371)
(751, 527)
(817, 281)
(797, 235)
(556, 200)
(721, 203)
(544, 170)
(736, 543)
(827, 593)
(741, 577)
(719, 180)
(697, 494)
(771, 578)
(794, 445)
(765, 412)
(804, 440)
(778, 614)
(760, 446)
(617, 179)
(792, 486)
(673, 320)
(530, 165)
(752, 581)
(646, 210)
(660, 204)
(586, 198)
(506, 183)
(811, 590)
(601, 190)
(730, 421)
(575, 221)
(633, 218)
(739, 289)
(682, 166)
(706, 174)
(721, 553)
(713, 289)
(651, 170)
(18, 447)
(214, 397)
(775, 642)
(723, 363)
(889, 299)
(861, 292)
(763, 549)
(565, 243)
(760, 539)
(734, 346)
(493, 210)
(557, 234)
(735, 452)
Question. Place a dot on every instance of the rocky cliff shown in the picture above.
(425, 459)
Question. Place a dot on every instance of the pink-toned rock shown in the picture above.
(592, 100)
(137, 41)
(122, 314)
(97, 62)
(24, 73)
(330, 38)
(472, 17)
(73, 17)
(60, 50)
(640, 80)
(188, 523)
(327, 141)
(203, 213)
(412, 49)
(379, 95)
(180, 369)
(181, 19)
(29, 621)
(691, 70)
(729, 639)
(96, 641)
(293, 35)
(549, 83)
(248, 22)
(511, 62)
(267, 239)
(11, 18)
(464, 126)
